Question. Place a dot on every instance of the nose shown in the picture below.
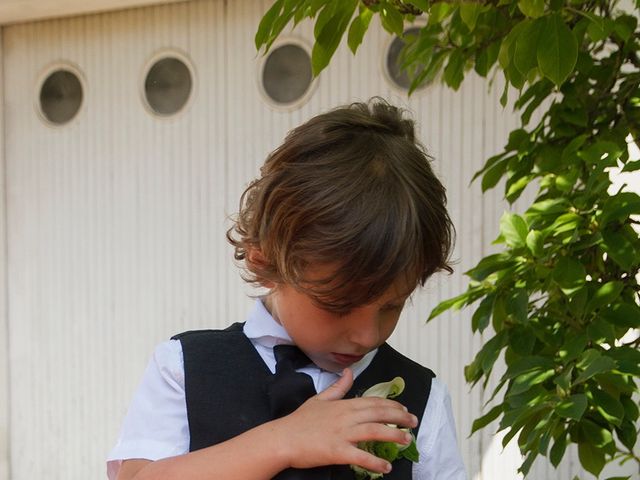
(364, 328)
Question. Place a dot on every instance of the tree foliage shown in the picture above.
(559, 298)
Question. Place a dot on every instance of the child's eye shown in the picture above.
(392, 308)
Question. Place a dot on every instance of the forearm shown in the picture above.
(253, 455)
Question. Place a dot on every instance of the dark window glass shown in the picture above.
(60, 96)
(287, 76)
(167, 86)
(399, 77)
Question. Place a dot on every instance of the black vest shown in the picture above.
(225, 388)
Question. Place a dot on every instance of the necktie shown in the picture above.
(289, 389)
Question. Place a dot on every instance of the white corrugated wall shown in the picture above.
(116, 221)
(4, 319)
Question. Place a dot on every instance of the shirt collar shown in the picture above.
(261, 328)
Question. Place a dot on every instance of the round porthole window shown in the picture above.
(286, 75)
(60, 96)
(167, 86)
(394, 62)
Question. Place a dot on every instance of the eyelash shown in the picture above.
(388, 308)
(385, 308)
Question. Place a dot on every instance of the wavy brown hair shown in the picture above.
(352, 189)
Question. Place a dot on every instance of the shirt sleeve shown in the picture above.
(156, 424)
(437, 443)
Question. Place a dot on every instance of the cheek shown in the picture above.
(389, 325)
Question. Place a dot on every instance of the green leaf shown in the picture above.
(601, 331)
(557, 451)
(494, 174)
(486, 58)
(591, 458)
(628, 435)
(569, 274)
(597, 435)
(599, 27)
(600, 151)
(605, 295)
(625, 315)
(391, 19)
(514, 230)
(631, 410)
(535, 243)
(609, 407)
(525, 381)
(454, 71)
(620, 249)
(486, 419)
(490, 351)
(519, 140)
(632, 166)
(573, 347)
(531, 8)
(439, 11)
(527, 45)
(266, 24)
(518, 304)
(358, 28)
(421, 4)
(627, 359)
(516, 188)
(330, 27)
(564, 379)
(594, 364)
(572, 407)
(567, 222)
(411, 453)
(430, 72)
(557, 50)
(565, 182)
(507, 47)
(456, 303)
(482, 315)
(620, 206)
(504, 98)
(551, 206)
(624, 26)
(522, 340)
(469, 12)
(528, 364)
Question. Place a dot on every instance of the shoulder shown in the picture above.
(194, 335)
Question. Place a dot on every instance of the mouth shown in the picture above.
(344, 359)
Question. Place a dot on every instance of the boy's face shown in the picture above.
(333, 340)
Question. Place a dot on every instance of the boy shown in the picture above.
(345, 221)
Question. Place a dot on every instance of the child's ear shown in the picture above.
(256, 261)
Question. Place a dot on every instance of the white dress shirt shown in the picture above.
(156, 424)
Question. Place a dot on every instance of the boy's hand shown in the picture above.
(326, 429)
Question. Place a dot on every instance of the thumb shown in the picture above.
(340, 388)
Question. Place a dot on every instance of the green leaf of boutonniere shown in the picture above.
(390, 451)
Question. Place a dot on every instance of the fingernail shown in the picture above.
(387, 468)
(407, 438)
(405, 408)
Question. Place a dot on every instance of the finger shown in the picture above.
(368, 461)
(378, 432)
(340, 388)
(383, 411)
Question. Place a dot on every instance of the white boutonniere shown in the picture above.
(390, 451)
